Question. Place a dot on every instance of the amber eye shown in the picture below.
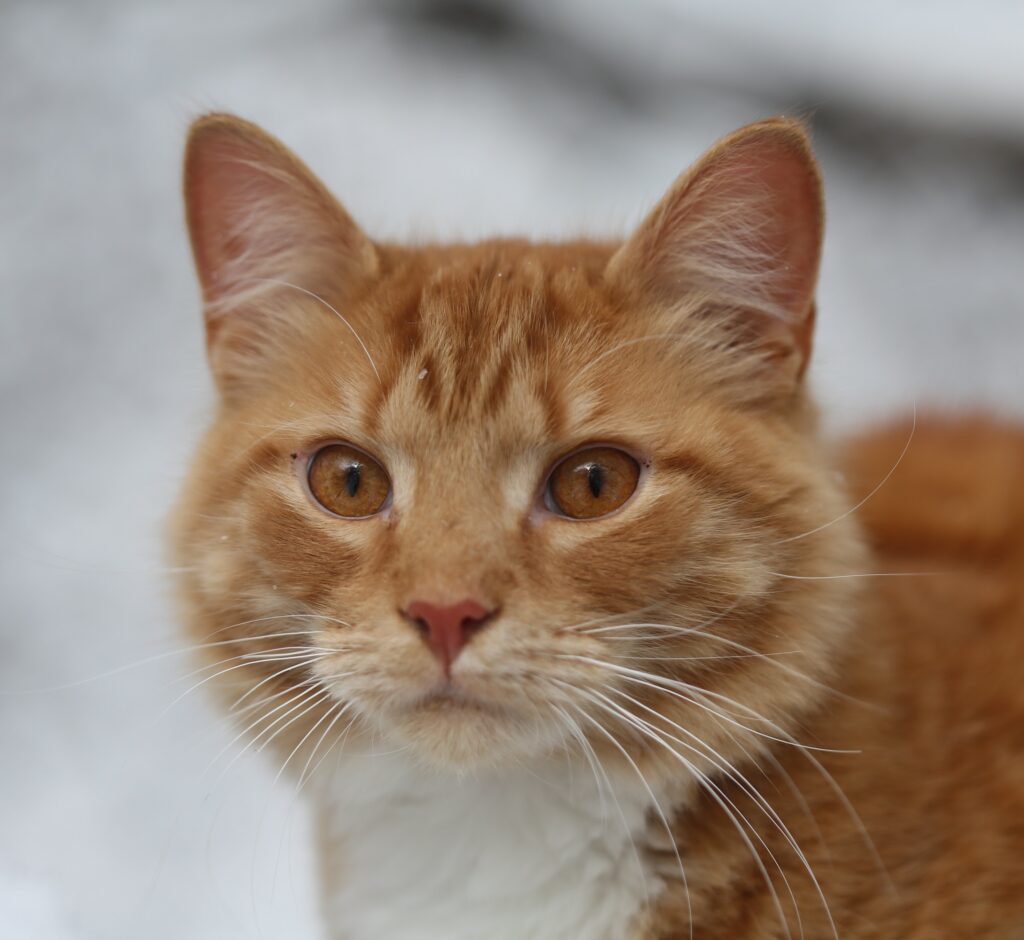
(592, 482)
(348, 482)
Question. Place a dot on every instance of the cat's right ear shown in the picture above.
(260, 224)
(737, 242)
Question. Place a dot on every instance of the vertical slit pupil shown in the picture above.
(353, 473)
(595, 479)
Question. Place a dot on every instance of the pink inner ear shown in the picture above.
(247, 213)
(752, 210)
(786, 195)
(212, 176)
(255, 211)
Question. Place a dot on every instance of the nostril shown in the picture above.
(474, 623)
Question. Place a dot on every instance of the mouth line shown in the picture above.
(450, 698)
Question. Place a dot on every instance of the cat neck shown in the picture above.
(547, 851)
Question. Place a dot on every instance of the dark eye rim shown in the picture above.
(302, 461)
(546, 501)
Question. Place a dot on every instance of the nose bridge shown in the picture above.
(446, 560)
(454, 532)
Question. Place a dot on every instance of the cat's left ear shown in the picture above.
(262, 227)
(738, 238)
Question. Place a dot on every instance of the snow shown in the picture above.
(112, 822)
(30, 909)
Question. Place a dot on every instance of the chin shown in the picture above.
(460, 733)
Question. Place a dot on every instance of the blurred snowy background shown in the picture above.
(427, 117)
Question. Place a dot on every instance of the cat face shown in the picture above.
(493, 501)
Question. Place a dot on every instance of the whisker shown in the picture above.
(806, 750)
(618, 806)
(623, 345)
(699, 659)
(127, 667)
(270, 678)
(242, 665)
(677, 627)
(725, 766)
(575, 627)
(317, 697)
(720, 798)
(269, 656)
(295, 616)
(327, 714)
(237, 713)
(337, 313)
(654, 801)
(880, 484)
(672, 686)
(857, 574)
(338, 710)
(791, 671)
(303, 779)
(591, 758)
(289, 652)
(296, 694)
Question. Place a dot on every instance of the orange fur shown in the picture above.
(467, 370)
(931, 703)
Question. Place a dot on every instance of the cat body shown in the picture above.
(529, 564)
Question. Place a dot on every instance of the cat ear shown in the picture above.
(738, 236)
(260, 224)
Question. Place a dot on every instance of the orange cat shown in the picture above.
(529, 561)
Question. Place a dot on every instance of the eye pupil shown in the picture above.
(352, 477)
(595, 479)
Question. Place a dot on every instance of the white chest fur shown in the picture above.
(526, 854)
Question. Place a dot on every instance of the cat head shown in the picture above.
(495, 500)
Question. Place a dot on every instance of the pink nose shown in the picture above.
(448, 627)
